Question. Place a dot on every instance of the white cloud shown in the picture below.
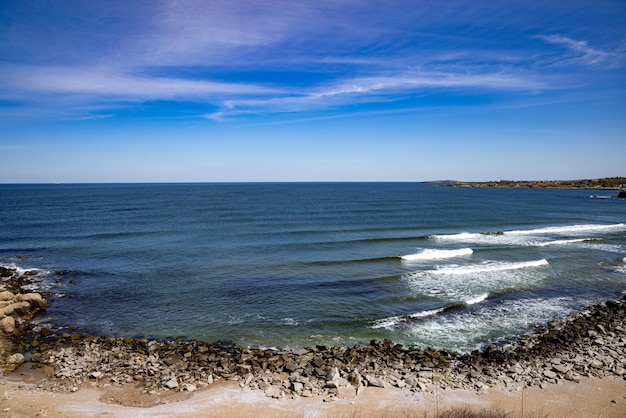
(100, 83)
(374, 90)
(579, 52)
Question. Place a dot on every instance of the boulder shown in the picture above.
(16, 359)
(7, 325)
(33, 299)
(6, 295)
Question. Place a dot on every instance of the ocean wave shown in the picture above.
(560, 242)
(477, 299)
(490, 266)
(431, 254)
(21, 270)
(394, 321)
(464, 332)
(555, 230)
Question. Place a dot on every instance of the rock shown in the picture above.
(172, 383)
(190, 387)
(332, 384)
(596, 364)
(7, 325)
(6, 295)
(18, 307)
(549, 374)
(274, 392)
(573, 376)
(16, 359)
(411, 381)
(333, 374)
(561, 368)
(95, 375)
(355, 378)
(33, 299)
(291, 367)
(375, 381)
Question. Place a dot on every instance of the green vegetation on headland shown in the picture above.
(608, 183)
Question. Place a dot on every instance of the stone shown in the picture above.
(95, 375)
(32, 298)
(7, 325)
(411, 381)
(17, 307)
(16, 359)
(355, 378)
(172, 383)
(6, 295)
(274, 392)
(190, 387)
(549, 374)
(333, 374)
(374, 381)
(596, 364)
(561, 368)
(573, 376)
(291, 367)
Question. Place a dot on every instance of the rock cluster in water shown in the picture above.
(592, 343)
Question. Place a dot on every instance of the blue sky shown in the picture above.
(237, 90)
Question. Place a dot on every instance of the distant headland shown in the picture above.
(606, 183)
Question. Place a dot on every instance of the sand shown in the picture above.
(592, 397)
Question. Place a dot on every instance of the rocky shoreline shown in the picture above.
(590, 344)
(606, 183)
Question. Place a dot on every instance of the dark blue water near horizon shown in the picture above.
(296, 264)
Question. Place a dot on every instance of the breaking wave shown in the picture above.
(430, 254)
(393, 321)
(488, 267)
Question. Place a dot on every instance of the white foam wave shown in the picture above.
(431, 254)
(465, 332)
(488, 267)
(560, 242)
(571, 229)
(507, 235)
(477, 299)
(392, 321)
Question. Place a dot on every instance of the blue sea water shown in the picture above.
(295, 264)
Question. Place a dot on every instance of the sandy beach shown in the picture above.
(591, 397)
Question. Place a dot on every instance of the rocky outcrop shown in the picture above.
(592, 343)
(16, 310)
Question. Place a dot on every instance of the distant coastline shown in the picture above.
(606, 183)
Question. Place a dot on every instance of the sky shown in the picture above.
(325, 90)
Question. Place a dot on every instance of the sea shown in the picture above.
(291, 265)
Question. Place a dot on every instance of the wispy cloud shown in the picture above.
(375, 90)
(579, 52)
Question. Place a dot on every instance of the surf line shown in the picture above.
(431, 254)
(393, 321)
